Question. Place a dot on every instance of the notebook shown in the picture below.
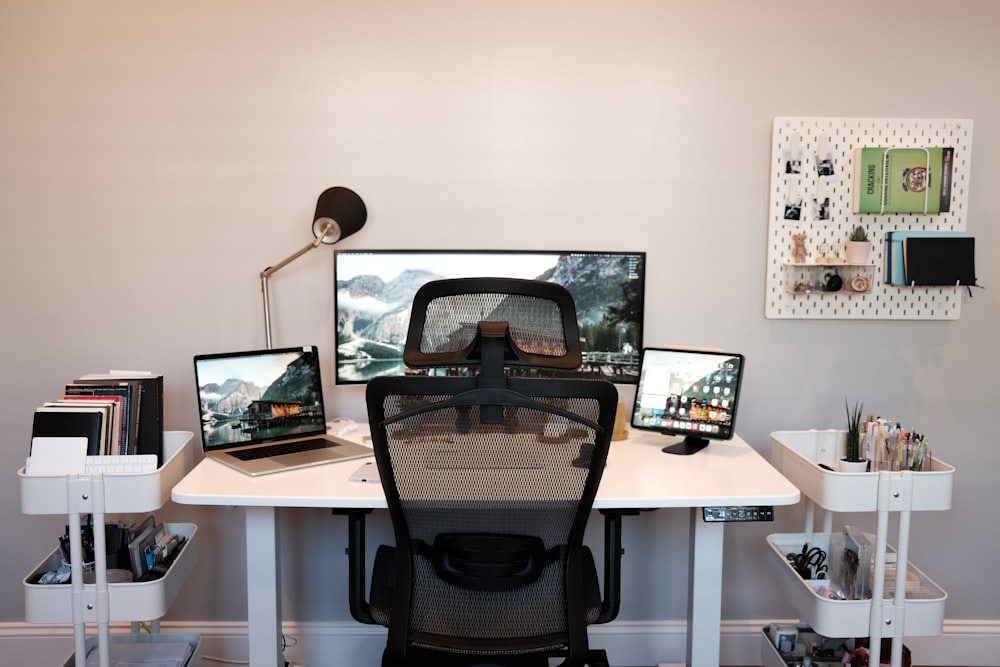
(895, 274)
(939, 261)
(262, 411)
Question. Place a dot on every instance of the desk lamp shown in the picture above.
(340, 212)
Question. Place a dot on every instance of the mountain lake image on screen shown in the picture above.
(375, 289)
(259, 395)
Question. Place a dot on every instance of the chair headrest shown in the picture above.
(450, 318)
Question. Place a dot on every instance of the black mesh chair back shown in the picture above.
(490, 479)
(446, 317)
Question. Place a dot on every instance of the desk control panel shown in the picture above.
(738, 513)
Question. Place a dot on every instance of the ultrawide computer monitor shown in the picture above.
(375, 288)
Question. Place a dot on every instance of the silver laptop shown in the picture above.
(262, 411)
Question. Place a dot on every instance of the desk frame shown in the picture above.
(638, 476)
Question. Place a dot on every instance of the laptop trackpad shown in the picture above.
(314, 456)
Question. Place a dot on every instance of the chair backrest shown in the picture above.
(447, 316)
(490, 479)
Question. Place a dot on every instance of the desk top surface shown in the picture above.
(638, 475)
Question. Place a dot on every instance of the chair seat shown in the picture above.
(595, 658)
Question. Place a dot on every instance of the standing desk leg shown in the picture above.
(704, 591)
(263, 587)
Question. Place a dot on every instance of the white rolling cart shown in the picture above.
(887, 614)
(101, 603)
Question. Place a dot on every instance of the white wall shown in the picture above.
(155, 157)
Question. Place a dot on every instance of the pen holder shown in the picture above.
(897, 456)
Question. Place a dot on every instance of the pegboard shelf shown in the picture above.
(828, 265)
(812, 170)
(803, 279)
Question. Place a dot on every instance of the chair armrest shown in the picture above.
(613, 551)
(360, 609)
(610, 605)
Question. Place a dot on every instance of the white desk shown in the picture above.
(638, 476)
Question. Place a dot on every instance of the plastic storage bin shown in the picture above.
(139, 600)
(194, 641)
(123, 492)
(847, 618)
(797, 454)
(772, 657)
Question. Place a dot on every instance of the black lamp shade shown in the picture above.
(343, 207)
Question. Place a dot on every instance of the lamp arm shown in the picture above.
(271, 270)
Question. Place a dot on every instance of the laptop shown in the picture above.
(262, 411)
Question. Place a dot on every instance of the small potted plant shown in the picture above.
(854, 459)
(858, 246)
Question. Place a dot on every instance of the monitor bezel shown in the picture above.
(339, 252)
(692, 441)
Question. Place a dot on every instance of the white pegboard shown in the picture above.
(811, 140)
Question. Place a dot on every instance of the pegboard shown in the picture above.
(812, 172)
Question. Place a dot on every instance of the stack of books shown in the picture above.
(119, 413)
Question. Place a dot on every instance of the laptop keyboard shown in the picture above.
(282, 448)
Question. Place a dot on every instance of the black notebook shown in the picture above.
(939, 261)
(55, 422)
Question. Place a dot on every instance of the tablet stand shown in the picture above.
(689, 445)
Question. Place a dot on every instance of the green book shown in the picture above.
(903, 180)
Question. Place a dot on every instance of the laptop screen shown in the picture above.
(259, 396)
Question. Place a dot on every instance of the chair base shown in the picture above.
(595, 658)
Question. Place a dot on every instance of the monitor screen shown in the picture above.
(375, 288)
(690, 393)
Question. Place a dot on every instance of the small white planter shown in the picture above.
(843, 465)
(858, 252)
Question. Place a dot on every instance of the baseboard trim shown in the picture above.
(974, 643)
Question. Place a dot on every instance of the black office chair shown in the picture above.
(490, 479)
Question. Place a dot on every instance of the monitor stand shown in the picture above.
(689, 445)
